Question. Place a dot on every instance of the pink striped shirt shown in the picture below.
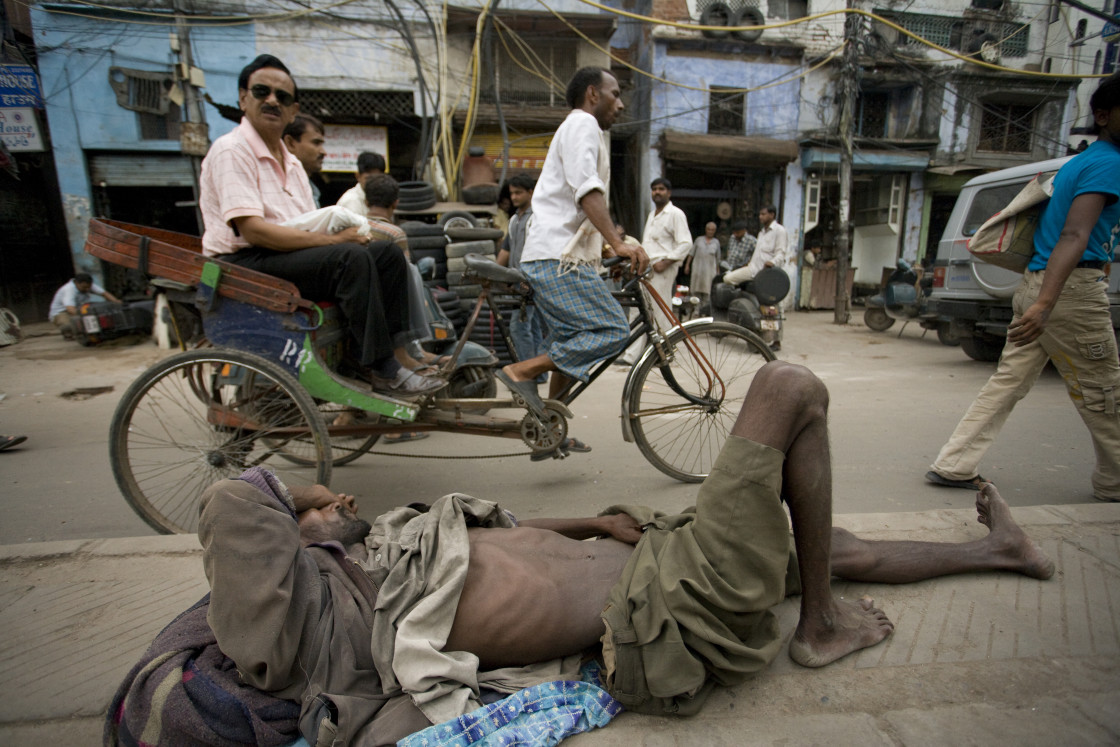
(240, 178)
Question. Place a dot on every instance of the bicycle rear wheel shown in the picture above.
(679, 437)
(205, 415)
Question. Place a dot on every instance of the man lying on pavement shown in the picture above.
(382, 630)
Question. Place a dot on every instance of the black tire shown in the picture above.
(985, 349)
(473, 381)
(446, 299)
(457, 219)
(455, 278)
(481, 194)
(748, 16)
(716, 14)
(416, 190)
(946, 336)
(463, 248)
(419, 228)
(680, 438)
(458, 234)
(204, 415)
(877, 319)
(426, 242)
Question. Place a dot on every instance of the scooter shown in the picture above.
(905, 296)
(754, 304)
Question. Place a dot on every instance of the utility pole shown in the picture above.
(848, 87)
(194, 138)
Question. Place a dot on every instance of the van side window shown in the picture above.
(987, 203)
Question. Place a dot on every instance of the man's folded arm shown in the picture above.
(266, 595)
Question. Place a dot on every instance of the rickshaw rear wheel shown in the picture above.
(206, 415)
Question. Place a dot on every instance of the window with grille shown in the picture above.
(1006, 128)
(873, 113)
(340, 105)
(146, 92)
(954, 33)
(533, 76)
(726, 111)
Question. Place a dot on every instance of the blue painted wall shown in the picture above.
(771, 112)
(75, 54)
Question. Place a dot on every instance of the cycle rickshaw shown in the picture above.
(262, 386)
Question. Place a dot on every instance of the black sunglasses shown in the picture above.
(261, 92)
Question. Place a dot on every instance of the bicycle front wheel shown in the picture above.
(205, 415)
(679, 437)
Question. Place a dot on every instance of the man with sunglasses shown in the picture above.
(251, 184)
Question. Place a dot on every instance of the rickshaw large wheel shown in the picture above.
(206, 415)
(681, 438)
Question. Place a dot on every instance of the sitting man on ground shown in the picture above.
(251, 184)
(68, 298)
(369, 164)
(677, 602)
(564, 246)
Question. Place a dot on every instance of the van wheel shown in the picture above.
(877, 319)
(986, 349)
(946, 335)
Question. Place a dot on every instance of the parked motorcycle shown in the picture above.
(905, 296)
(754, 304)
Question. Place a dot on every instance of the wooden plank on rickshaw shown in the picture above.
(178, 256)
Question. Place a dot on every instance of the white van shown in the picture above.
(975, 295)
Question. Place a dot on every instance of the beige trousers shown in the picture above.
(1080, 341)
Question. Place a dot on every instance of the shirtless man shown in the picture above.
(536, 592)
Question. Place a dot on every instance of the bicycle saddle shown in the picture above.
(484, 267)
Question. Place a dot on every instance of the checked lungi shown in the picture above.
(585, 322)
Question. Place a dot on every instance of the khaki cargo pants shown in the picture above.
(1080, 341)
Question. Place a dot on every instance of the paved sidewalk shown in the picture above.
(980, 659)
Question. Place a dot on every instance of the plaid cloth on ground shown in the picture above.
(538, 716)
(585, 322)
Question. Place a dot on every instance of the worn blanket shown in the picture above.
(185, 691)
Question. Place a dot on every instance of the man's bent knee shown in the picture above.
(792, 383)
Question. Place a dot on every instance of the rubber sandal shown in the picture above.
(574, 444)
(8, 441)
(527, 391)
(400, 438)
(974, 484)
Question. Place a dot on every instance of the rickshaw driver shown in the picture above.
(251, 184)
(564, 243)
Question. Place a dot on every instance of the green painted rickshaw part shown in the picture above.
(211, 274)
(322, 385)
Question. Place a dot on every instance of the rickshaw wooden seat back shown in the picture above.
(244, 309)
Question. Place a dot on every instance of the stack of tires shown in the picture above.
(466, 241)
(482, 241)
(416, 196)
(427, 240)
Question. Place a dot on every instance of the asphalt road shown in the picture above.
(894, 401)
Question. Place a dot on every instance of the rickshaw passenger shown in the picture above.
(251, 183)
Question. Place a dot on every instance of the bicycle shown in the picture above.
(269, 389)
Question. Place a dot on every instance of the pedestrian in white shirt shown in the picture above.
(369, 165)
(773, 243)
(564, 245)
(667, 241)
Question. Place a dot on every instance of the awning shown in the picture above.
(140, 170)
(726, 150)
(866, 159)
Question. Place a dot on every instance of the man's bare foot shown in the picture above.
(847, 627)
(1008, 538)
